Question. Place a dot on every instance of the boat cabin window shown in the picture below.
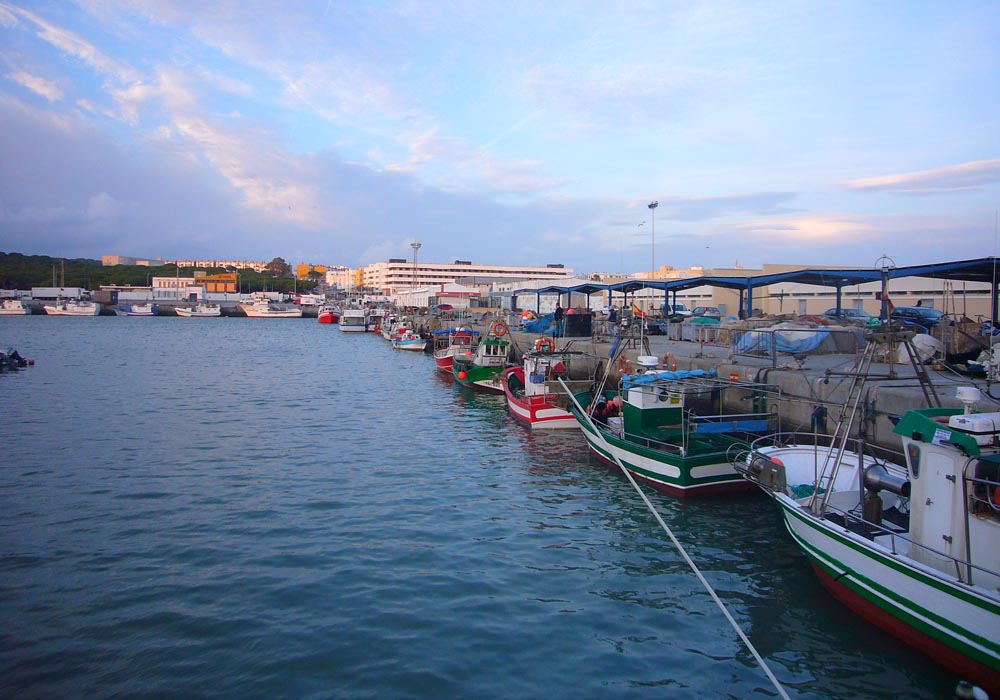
(985, 486)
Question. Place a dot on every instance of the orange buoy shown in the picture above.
(670, 362)
(462, 375)
(545, 345)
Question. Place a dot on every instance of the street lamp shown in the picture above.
(416, 246)
(652, 245)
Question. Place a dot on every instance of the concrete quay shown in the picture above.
(805, 382)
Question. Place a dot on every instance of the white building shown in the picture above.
(398, 274)
(457, 295)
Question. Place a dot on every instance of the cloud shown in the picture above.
(40, 86)
(953, 178)
(810, 229)
(74, 45)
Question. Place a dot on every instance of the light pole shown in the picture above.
(652, 247)
(652, 244)
(416, 246)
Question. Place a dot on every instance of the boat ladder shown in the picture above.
(875, 338)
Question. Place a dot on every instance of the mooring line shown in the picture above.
(680, 548)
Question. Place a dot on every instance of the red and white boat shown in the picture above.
(450, 342)
(328, 314)
(534, 395)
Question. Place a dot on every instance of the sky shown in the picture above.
(509, 133)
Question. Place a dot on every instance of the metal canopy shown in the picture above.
(983, 270)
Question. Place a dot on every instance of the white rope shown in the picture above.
(704, 582)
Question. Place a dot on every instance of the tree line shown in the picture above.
(19, 271)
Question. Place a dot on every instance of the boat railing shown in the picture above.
(799, 438)
(854, 520)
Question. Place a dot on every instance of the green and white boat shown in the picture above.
(912, 544)
(676, 430)
(480, 368)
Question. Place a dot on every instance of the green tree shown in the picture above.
(279, 268)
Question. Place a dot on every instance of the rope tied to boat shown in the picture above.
(680, 548)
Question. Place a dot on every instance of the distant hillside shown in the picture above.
(19, 271)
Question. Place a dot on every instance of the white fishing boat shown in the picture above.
(409, 340)
(262, 308)
(72, 307)
(909, 541)
(199, 311)
(352, 320)
(14, 307)
(141, 310)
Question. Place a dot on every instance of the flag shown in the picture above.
(636, 311)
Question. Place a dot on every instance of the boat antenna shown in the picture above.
(680, 548)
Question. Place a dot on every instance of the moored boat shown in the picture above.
(73, 307)
(14, 307)
(481, 368)
(910, 541)
(262, 308)
(675, 430)
(141, 310)
(450, 342)
(328, 313)
(352, 320)
(203, 310)
(409, 339)
(536, 397)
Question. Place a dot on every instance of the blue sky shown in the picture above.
(519, 133)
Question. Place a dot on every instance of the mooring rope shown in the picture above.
(680, 548)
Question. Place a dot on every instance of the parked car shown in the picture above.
(675, 313)
(925, 317)
(846, 315)
(706, 311)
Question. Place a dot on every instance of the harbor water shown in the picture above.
(237, 508)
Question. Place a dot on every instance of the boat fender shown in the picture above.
(545, 345)
(670, 362)
(499, 329)
(624, 366)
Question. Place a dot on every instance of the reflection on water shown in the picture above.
(257, 509)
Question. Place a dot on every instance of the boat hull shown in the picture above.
(81, 309)
(413, 345)
(539, 411)
(199, 312)
(479, 378)
(14, 307)
(957, 625)
(704, 470)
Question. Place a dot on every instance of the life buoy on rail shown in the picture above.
(499, 329)
(670, 362)
(545, 345)
(624, 366)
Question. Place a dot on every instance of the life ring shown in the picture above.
(624, 366)
(545, 345)
(499, 329)
(670, 362)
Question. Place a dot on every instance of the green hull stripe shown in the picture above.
(941, 629)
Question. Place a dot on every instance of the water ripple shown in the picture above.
(256, 510)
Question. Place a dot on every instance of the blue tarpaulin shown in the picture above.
(540, 325)
(630, 380)
(795, 342)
